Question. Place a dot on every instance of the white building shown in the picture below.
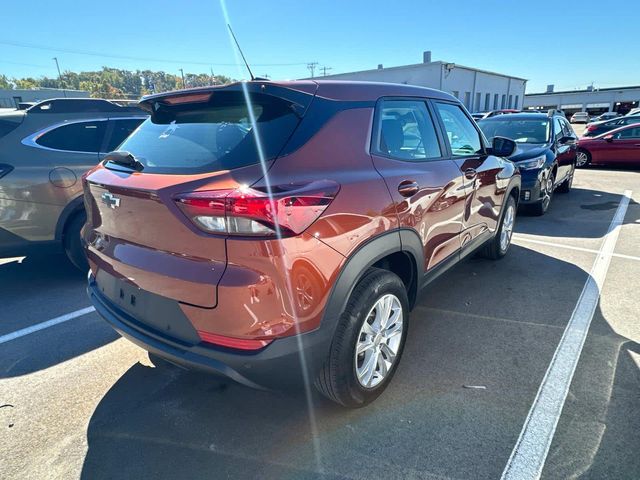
(10, 98)
(593, 100)
(479, 90)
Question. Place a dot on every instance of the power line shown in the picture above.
(146, 59)
(325, 69)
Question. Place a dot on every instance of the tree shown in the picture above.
(116, 83)
(4, 82)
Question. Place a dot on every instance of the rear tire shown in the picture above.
(499, 245)
(72, 242)
(358, 367)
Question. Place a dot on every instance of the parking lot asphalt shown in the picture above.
(78, 401)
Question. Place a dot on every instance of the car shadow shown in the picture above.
(596, 212)
(37, 289)
(473, 361)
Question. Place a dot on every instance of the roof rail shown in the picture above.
(79, 105)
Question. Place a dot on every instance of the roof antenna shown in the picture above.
(240, 50)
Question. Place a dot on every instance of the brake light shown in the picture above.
(249, 211)
(591, 128)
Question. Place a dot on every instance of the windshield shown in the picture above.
(519, 130)
(212, 136)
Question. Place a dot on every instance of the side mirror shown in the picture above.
(608, 138)
(567, 140)
(503, 147)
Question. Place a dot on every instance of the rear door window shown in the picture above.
(463, 138)
(219, 134)
(405, 131)
(76, 137)
(121, 129)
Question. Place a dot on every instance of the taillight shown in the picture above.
(591, 128)
(4, 169)
(249, 211)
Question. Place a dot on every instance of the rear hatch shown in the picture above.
(194, 141)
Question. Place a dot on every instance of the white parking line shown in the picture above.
(49, 323)
(571, 247)
(530, 452)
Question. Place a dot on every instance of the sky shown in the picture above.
(567, 43)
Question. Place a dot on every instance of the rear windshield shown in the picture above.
(530, 130)
(212, 136)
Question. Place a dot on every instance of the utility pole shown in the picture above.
(312, 67)
(182, 74)
(325, 70)
(64, 92)
(212, 79)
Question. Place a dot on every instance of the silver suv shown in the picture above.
(44, 151)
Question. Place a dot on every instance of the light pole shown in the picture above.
(64, 92)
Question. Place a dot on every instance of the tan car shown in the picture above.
(44, 151)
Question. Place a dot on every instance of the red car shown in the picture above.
(616, 147)
(278, 232)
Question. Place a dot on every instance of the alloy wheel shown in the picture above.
(378, 342)
(507, 227)
(581, 159)
(547, 191)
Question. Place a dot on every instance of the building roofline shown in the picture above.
(417, 65)
(595, 90)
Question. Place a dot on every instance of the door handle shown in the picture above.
(408, 188)
(470, 173)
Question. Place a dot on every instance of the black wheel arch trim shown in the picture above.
(393, 241)
(72, 208)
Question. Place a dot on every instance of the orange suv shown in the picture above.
(280, 232)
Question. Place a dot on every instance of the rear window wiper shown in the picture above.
(125, 159)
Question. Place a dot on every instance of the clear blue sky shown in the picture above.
(559, 42)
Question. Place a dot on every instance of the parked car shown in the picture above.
(546, 154)
(43, 153)
(598, 128)
(606, 116)
(478, 116)
(580, 117)
(634, 111)
(301, 258)
(616, 147)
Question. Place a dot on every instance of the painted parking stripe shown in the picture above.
(49, 323)
(530, 452)
(571, 247)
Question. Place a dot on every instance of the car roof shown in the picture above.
(619, 129)
(516, 116)
(330, 89)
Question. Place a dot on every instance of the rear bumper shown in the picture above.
(286, 362)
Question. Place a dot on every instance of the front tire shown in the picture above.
(541, 207)
(368, 342)
(499, 245)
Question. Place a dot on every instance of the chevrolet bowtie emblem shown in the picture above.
(111, 200)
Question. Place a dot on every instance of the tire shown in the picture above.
(565, 187)
(346, 377)
(72, 243)
(583, 158)
(540, 208)
(499, 245)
